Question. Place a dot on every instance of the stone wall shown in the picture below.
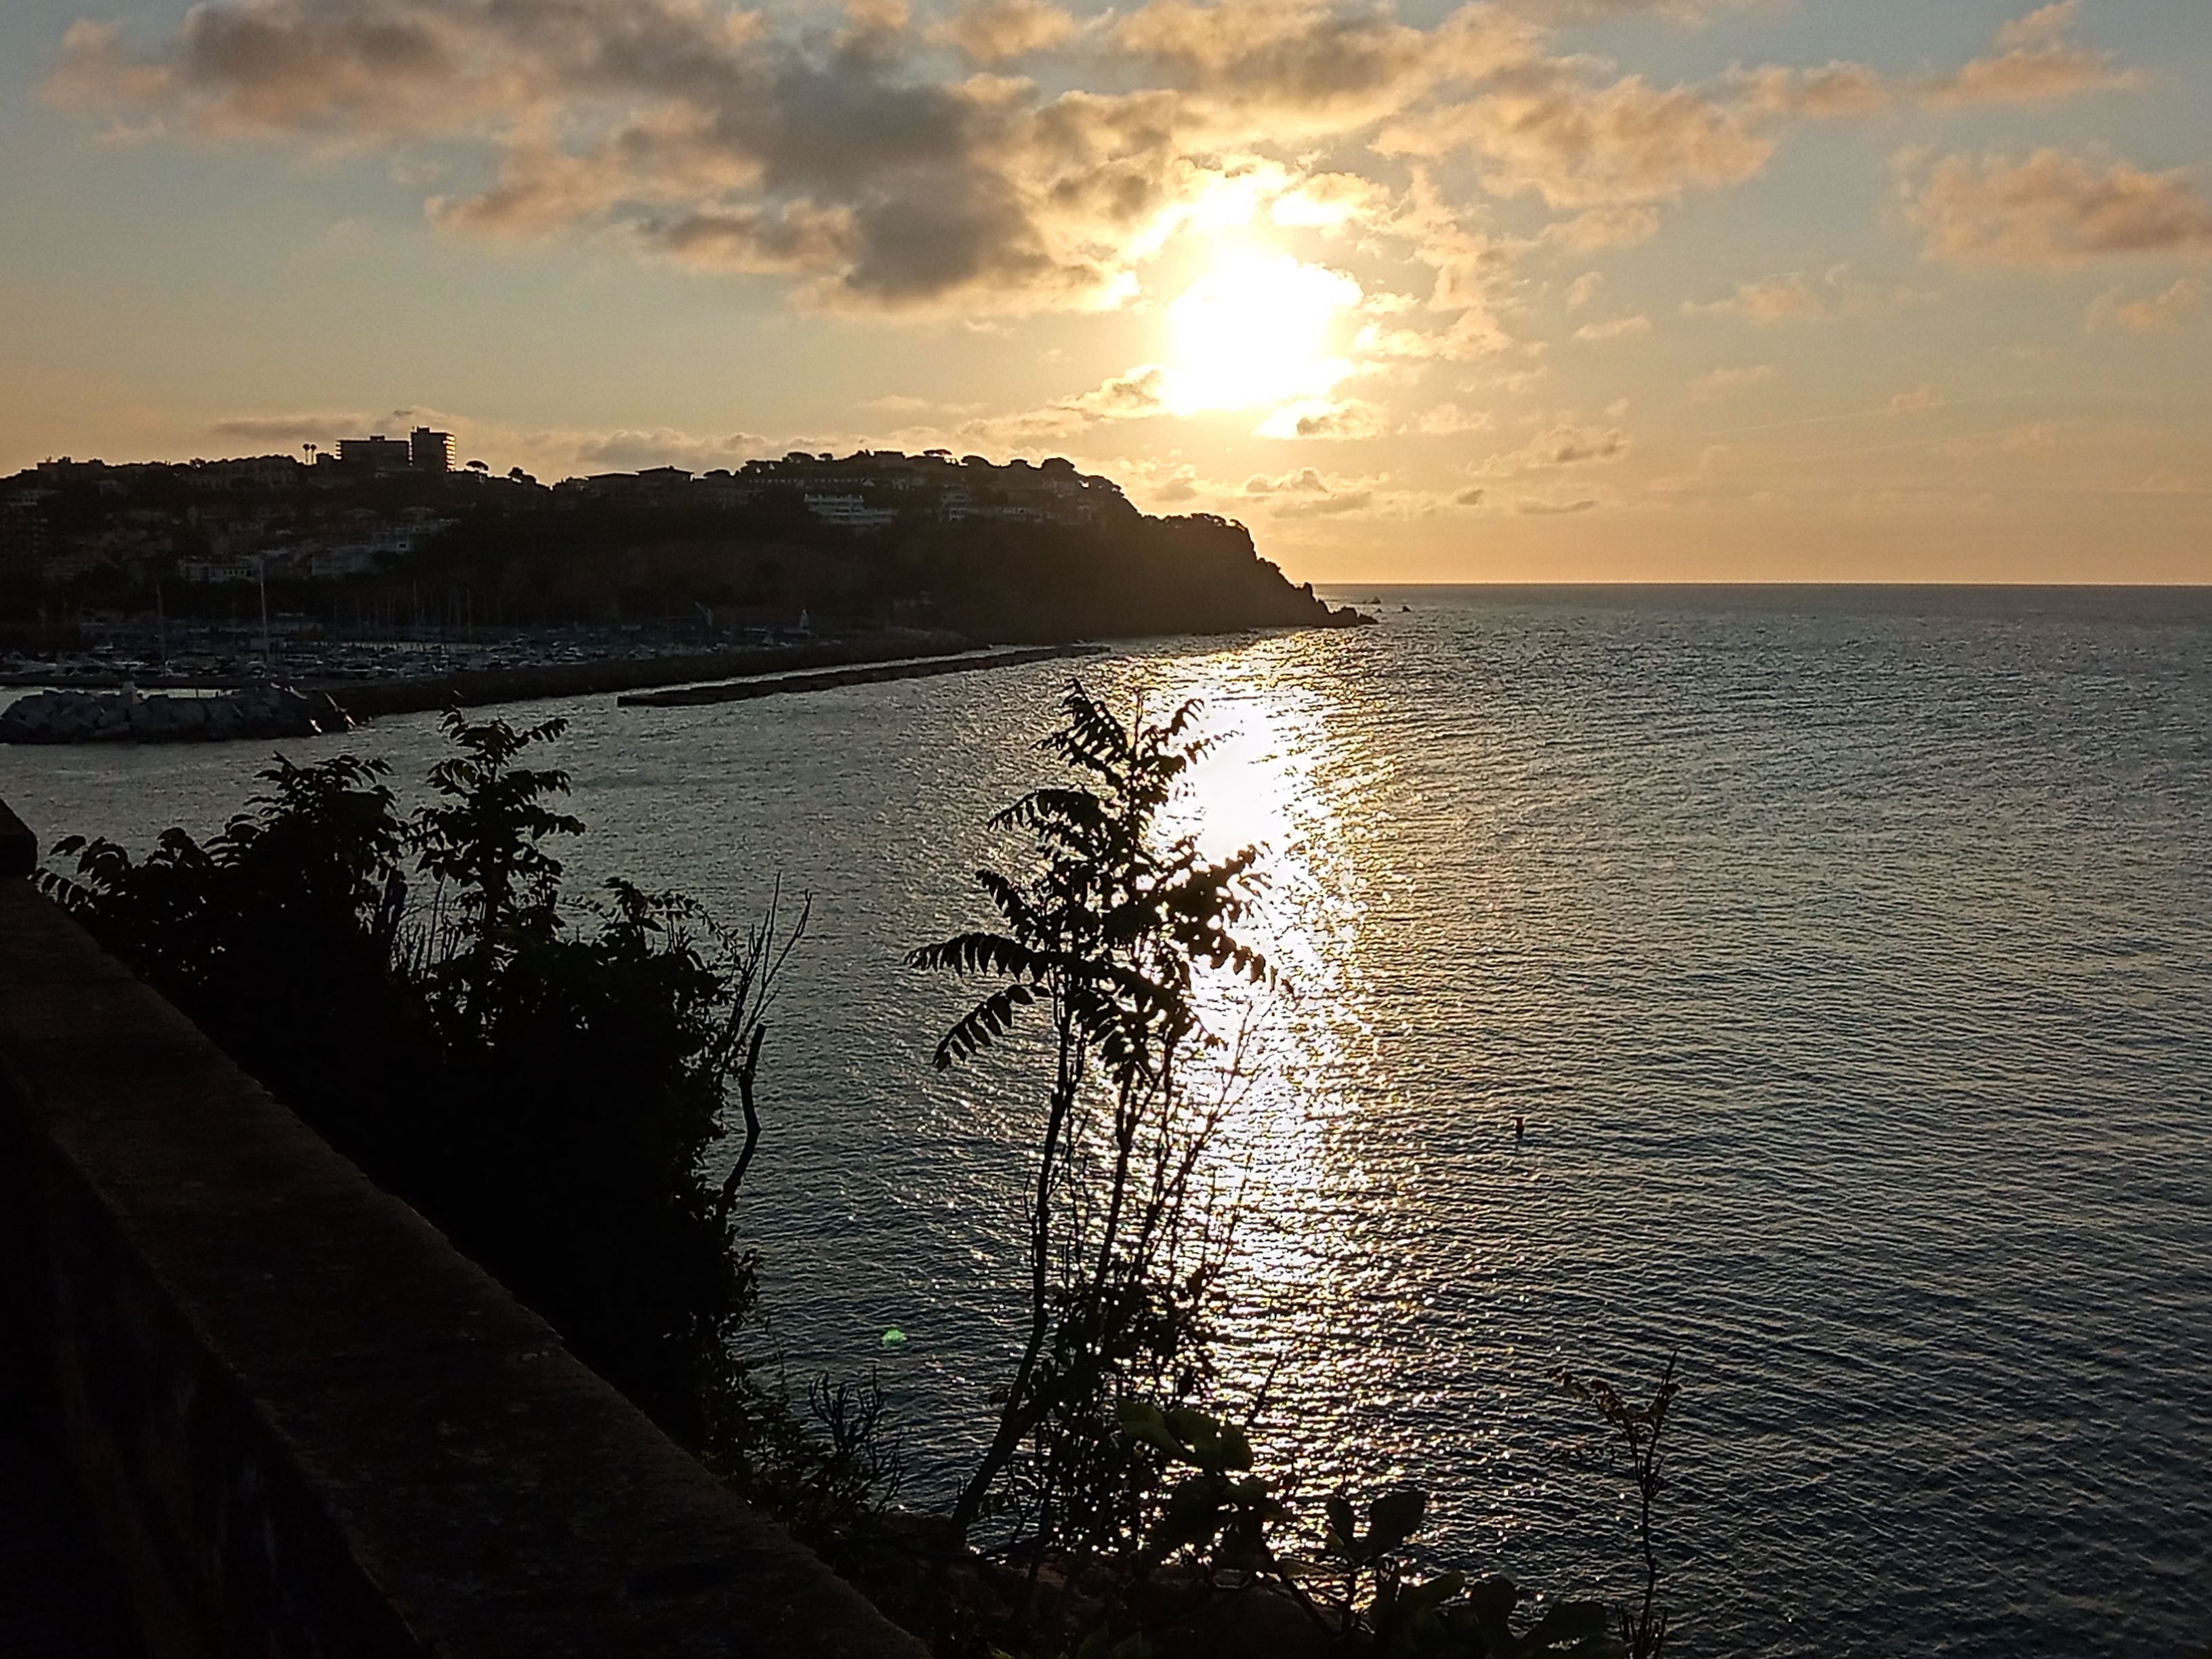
(307, 1426)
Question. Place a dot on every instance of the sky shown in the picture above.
(1549, 290)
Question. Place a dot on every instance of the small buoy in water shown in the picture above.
(1520, 1128)
(894, 1337)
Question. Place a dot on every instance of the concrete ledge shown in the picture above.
(19, 847)
(306, 1424)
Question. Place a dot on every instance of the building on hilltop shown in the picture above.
(377, 455)
(25, 539)
(851, 512)
(429, 451)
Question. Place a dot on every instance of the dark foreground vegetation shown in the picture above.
(551, 1079)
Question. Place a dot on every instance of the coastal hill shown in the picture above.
(383, 537)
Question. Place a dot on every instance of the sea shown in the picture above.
(1809, 987)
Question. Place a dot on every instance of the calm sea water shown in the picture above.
(1848, 952)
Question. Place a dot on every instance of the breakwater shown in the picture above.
(125, 717)
(478, 687)
(827, 680)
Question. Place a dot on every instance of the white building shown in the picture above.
(849, 511)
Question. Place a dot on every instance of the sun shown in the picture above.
(1254, 330)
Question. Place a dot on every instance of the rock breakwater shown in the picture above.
(125, 717)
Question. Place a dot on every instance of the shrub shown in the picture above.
(543, 1082)
(1106, 932)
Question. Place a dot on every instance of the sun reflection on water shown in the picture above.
(1284, 776)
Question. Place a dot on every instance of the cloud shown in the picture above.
(1140, 392)
(1308, 494)
(1469, 498)
(1306, 480)
(2052, 209)
(2039, 27)
(1617, 328)
(1917, 400)
(1597, 228)
(1584, 290)
(1325, 506)
(1719, 383)
(993, 31)
(1769, 300)
(1447, 420)
(1838, 91)
(1325, 417)
(1541, 130)
(1599, 11)
(2108, 311)
(696, 131)
(1562, 444)
(292, 430)
(1541, 508)
(2034, 64)
(1302, 68)
(1137, 394)
(1796, 297)
(629, 449)
(847, 162)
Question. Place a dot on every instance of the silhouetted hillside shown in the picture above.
(1011, 551)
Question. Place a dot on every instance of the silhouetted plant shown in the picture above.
(545, 1082)
(1216, 1507)
(1640, 1430)
(1107, 931)
(1224, 1519)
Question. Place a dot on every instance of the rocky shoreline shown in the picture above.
(126, 716)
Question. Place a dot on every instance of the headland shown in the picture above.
(387, 578)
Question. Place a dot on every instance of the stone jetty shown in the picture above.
(125, 716)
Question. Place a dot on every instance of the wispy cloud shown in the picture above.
(1798, 296)
(292, 430)
(1617, 328)
(1719, 383)
(2147, 315)
(2034, 64)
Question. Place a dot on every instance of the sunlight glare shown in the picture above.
(1253, 330)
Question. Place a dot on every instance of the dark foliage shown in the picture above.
(546, 1093)
(1638, 1431)
(1106, 934)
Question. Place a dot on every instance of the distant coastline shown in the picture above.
(392, 582)
(2117, 601)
